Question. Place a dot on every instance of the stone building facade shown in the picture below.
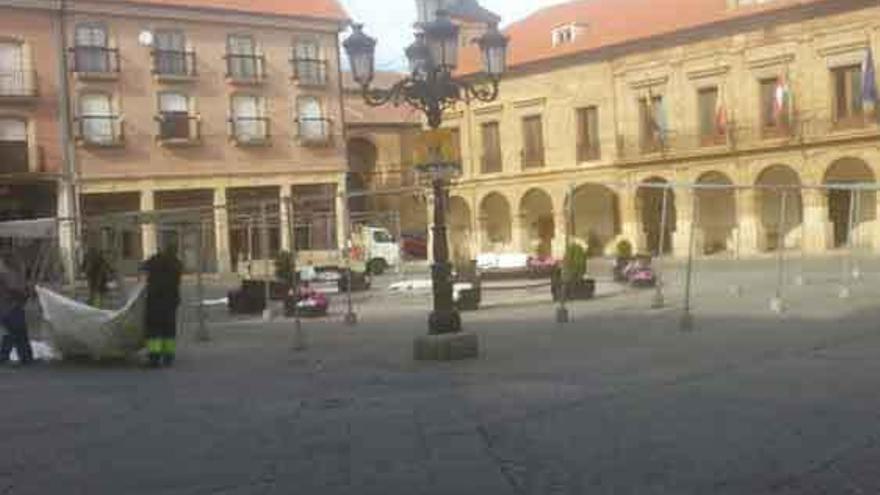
(228, 108)
(608, 100)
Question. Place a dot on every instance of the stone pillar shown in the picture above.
(684, 209)
(285, 211)
(342, 219)
(630, 226)
(817, 229)
(149, 238)
(748, 221)
(519, 233)
(67, 232)
(560, 226)
(221, 231)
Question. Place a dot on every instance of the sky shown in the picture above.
(390, 21)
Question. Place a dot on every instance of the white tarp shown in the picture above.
(78, 330)
(43, 228)
(504, 261)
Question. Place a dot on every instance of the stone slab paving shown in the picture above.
(618, 402)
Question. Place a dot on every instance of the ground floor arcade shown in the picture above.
(221, 224)
(815, 201)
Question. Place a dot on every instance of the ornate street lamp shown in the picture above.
(432, 88)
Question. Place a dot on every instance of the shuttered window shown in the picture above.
(848, 95)
(588, 147)
(533, 142)
(491, 159)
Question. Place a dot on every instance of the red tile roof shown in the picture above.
(321, 9)
(606, 23)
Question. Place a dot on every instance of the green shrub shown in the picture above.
(624, 249)
(284, 266)
(575, 264)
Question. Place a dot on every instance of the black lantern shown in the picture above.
(419, 56)
(442, 38)
(361, 50)
(493, 46)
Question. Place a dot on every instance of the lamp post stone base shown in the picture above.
(446, 347)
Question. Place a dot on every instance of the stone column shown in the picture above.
(817, 229)
(630, 226)
(221, 231)
(149, 240)
(748, 221)
(519, 230)
(285, 211)
(684, 209)
(560, 226)
(67, 232)
(342, 219)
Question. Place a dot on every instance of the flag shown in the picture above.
(721, 119)
(781, 98)
(869, 82)
(661, 120)
(656, 111)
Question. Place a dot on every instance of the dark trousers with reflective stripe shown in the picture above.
(16, 336)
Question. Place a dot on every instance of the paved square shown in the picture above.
(618, 402)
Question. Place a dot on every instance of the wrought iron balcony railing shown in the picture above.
(174, 64)
(18, 84)
(315, 131)
(245, 69)
(250, 131)
(310, 72)
(100, 130)
(178, 128)
(97, 61)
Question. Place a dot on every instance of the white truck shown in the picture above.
(375, 247)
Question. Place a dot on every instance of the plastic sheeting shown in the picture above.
(80, 331)
(44, 228)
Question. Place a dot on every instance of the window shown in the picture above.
(96, 119)
(491, 160)
(13, 146)
(455, 141)
(651, 122)
(774, 118)
(171, 57)
(588, 134)
(382, 237)
(707, 108)
(243, 62)
(13, 81)
(174, 117)
(315, 217)
(308, 66)
(313, 127)
(533, 142)
(91, 50)
(563, 35)
(848, 108)
(249, 123)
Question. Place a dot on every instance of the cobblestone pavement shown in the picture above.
(618, 402)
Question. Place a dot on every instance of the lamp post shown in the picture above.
(432, 88)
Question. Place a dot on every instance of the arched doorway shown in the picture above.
(650, 200)
(460, 231)
(847, 206)
(495, 216)
(776, 183)
(596, 218)
(716, 212)
(536, 210)
(362, 157)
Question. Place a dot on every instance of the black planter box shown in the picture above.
(581, 290)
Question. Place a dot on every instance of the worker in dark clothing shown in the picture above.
(98, 274)
(163, 297)
(13, 296)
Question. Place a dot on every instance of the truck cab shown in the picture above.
(380, 249)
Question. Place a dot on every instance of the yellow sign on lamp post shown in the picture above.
(437, 146)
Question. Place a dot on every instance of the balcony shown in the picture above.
(310, 72)
(14, 157)
(178, 129)
(588, 153)
(245, 69)
(490, 163)
(250, 131)
(18, 86)
(100, 131)
(315, 131)
(174, 66)
(532, 158)
(95, 63)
